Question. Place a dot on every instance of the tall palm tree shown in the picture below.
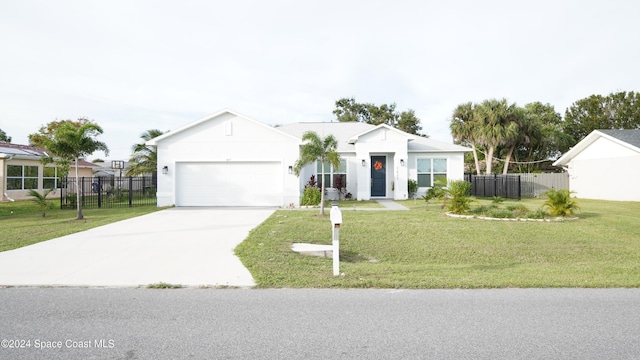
(520, 127)
(144, 159)
(495, 127)
(464, 128)
(315, 149)
(72, 141)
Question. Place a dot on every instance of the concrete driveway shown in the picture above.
(187, 246)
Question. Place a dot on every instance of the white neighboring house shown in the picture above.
(605, 165)
(228, 159)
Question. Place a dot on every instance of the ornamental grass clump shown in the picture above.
(560, 203)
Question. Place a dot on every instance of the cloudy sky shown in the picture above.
(137, 65)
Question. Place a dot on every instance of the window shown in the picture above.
(49, 178)
(432, 172)
(332, 174)
(22, 177)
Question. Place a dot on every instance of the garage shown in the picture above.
(229, 184)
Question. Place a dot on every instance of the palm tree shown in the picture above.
(464, 128)
(41, 199)
(519, 120)
(144, 159)
(495, 126)
(315, 149)
(72, 141)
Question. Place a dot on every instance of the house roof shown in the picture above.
(346, 133)
(342, 131)
(627, 138)
(154, 141)
(28, 152)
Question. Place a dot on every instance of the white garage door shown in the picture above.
(229, 184)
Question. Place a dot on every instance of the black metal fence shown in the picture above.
(506, 186)
(108, 192)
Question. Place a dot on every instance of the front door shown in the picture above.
(378, 176)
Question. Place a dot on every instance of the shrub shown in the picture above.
(538, 214)
(518, 210)
(500, 214)
(311, 196)
(459, 191)
(412, 187)
(560, 203)
(497, 199)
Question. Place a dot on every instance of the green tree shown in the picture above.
(347, 109)
(546, 140)
(619, 110)
(409, 122)
(496, 126)
(4, 137)
(519, 132)
(144, 159)
(315, 149)
(41, 199)
(69, 141)
(464, 129)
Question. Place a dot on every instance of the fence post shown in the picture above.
(130, 191)
(519, 188)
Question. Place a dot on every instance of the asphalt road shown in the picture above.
(129, 323)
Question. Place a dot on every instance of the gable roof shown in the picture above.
(347, 133)
(627, 138)
(154, 141)
(342, 131)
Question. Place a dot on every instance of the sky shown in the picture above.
(136, 65)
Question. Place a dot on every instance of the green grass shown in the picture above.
(423, 248)
(354, 204)
(22, 224)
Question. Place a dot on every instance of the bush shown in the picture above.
(412, 187)
(560, 203)
(311, 196)
(459, 191)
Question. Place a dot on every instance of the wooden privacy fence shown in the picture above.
(516, 186)
(534, 185)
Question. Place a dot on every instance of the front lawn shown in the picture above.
(423, 248)
(22, 224)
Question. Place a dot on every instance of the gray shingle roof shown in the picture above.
(344, 131)
(629, 136)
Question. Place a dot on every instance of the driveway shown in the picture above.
(187, 246)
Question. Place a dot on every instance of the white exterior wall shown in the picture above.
(605, 170)
(455, 166)
(383, 142)
(227, 138)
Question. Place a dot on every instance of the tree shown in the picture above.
(464, 129)
(521, 134)
(619, 110)
(4, 137)
(68, 141)
(496, 126)
(409, 122)
(347, 109)
(144, 159)
(315, 149)
(41, 199)
(546, 140)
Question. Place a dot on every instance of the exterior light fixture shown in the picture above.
(290, 169)
(401, 162)
(165, 170)
(364, 162)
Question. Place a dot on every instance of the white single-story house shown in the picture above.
(21, 170)
(228, 159)
(605, 165)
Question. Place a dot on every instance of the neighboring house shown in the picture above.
(21, 170)
(228, 159)
(605, 165)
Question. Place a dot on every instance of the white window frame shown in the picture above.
(329, 170)
(432, 173)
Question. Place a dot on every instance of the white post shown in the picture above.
(336, 249)
(336, 220)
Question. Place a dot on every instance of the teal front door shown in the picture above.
(378, 176)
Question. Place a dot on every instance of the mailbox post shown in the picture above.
(336, 220)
